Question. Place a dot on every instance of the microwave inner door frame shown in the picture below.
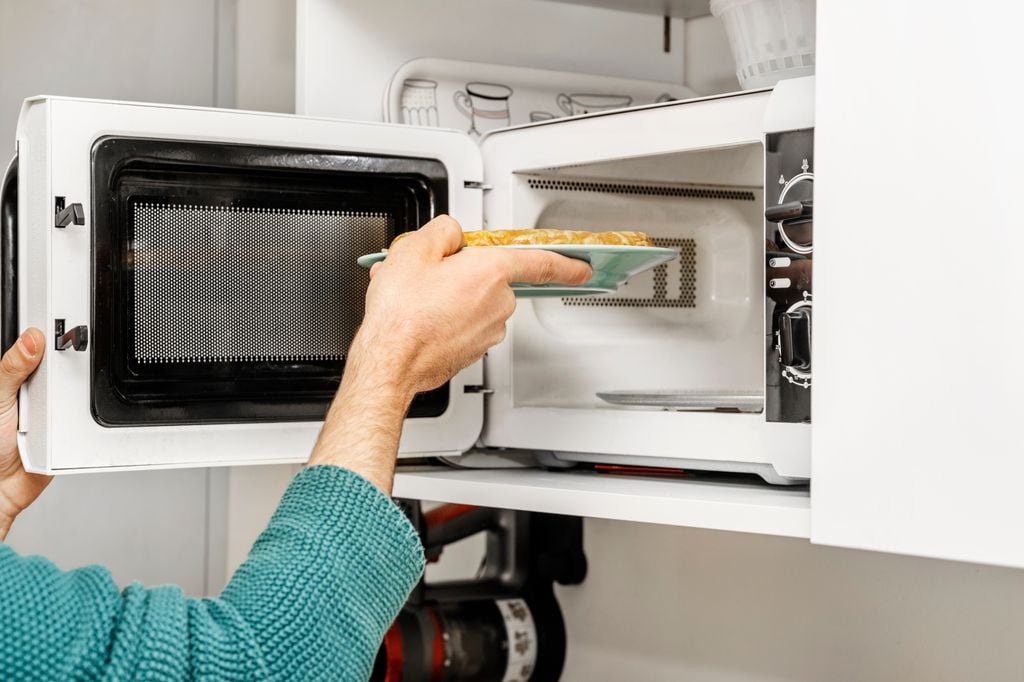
(225, 287)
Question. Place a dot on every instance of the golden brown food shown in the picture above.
(546, 237)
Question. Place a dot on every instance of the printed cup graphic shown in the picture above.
(537, 116)
(586, 103)
(419, 102)
(485, 105)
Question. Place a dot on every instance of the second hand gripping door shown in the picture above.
(196, 269)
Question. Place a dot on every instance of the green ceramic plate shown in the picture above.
(613, 266)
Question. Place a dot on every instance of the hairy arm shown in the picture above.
(364, 423)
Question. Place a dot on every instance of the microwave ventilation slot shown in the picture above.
(640, 189)
(247, 284)
(680, 275)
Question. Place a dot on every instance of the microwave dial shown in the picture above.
(794, 213)
(793, 342)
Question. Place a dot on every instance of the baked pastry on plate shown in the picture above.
(548, 237)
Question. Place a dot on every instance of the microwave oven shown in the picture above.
(195, 269)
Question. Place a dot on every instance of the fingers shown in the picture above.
(544, 267)
(441, 237)
(19, 362)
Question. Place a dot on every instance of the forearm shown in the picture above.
(364, 424)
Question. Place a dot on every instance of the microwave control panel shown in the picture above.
(789, 254)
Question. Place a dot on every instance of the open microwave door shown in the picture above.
(690, 333)
(197, 267)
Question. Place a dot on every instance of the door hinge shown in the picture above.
(475, 388)
(72, 214)
(76, 337)
(475, 184)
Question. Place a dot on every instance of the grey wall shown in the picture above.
(157, 527)
(145, 526)
(158, 50)
(265, 55)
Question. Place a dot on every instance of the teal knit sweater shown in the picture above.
(321, 585)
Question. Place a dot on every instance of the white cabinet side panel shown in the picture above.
(348, 50)
(918, 318)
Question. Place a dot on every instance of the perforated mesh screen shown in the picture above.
(669, 285)
(640, 189)
(229, 284)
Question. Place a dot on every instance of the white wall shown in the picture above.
(665, 603)
(265, 55)
(252, 496)
(348, 50)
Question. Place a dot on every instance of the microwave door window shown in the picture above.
(226, 287)
(209, 283)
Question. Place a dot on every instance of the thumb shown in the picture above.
(18, 363)
(441, 237)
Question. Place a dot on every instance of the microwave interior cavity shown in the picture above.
(225, 281)
(688, 335)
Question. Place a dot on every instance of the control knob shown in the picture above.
(794, 343)
(794, 218)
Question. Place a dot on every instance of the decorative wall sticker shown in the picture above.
(486, 105)
(419, 102)
(587, 103)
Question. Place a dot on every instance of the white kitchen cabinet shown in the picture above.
(916, 442)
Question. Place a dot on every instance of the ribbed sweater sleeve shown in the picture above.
(321, 585)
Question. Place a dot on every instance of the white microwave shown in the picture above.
(196, 270)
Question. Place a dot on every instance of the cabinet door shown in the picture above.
(918, 283)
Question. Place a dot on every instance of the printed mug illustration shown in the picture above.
(587, 103)
(485, 105)
(536, 116)
(419, 102)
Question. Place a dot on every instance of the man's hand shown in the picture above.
(430, 311)
(18, 488)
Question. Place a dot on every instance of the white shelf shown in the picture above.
(682, 9)
(719, 505)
